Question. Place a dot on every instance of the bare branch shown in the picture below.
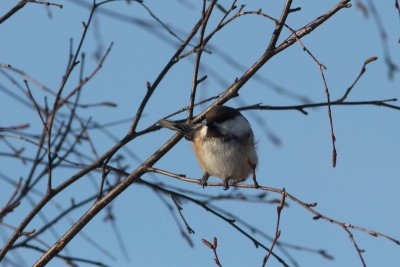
(21, 4)
(86, 79)
(359, 251)
(10, 205)
(195, 80)
(213, 247)
(179, 208)
(277, 231)
(152, 87)
(363, 69)
(14, 127)
(392, 67)
(307, 206)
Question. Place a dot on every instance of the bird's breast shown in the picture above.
(224, 157)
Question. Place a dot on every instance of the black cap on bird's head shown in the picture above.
(221, 114)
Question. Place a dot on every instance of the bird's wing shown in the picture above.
(187, 129)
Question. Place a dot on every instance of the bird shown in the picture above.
(224, 144)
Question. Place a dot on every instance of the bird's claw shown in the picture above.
(226, 183)
(203, 180)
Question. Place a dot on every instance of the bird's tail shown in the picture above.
(187, 129)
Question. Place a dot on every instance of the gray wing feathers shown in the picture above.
(187, 129)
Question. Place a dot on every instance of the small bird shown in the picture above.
(224, 144)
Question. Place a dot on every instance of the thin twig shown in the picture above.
(38, 109)
(392, 67)
(21, 4)
(277, 231)
(152, 87)
(195, 80)
(154, 16)
(69, 259)
(359, 251)
(328, 97)
(14, 127)
(301, 108)
(45, 3)
(179, 208)
(309, 207)
(213, 247)
(363, 69)
(111, 218)
(230, 221)
(175, 218)
(13, 10)
(20, 137)
(86, 79)
(10, 205)
(321, 68)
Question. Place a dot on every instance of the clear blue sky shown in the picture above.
(361, 190)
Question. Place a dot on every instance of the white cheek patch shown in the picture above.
(238, 126)
(203, 132)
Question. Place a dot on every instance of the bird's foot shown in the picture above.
(204, 179)
(226, 183)
(253, 167)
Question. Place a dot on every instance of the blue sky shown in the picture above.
(361, 190)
